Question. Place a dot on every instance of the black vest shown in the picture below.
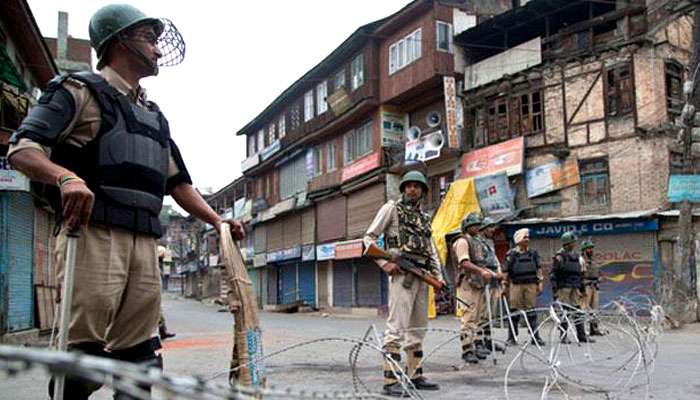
(523, 267)
(126, 164)
(490, 259)
(569, 272)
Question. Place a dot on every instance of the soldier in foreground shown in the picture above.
(590, 281)
(567, 286)
(472, 275)
(523, 282)
(408, 234)
(87, 139)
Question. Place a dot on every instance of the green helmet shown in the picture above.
(487, 222)
(414, 176)
(471, 220)
(587, 245)
(568, 238)
(110, 20)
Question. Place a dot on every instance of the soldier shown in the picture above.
(567, 286)
(408, 233)
(487, 230)
(88, 138)
(524, 282)
(590, 280)
(472, 275)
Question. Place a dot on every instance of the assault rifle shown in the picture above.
(409, 266)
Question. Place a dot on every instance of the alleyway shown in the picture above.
(202, 347)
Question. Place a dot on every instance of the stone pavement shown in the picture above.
(203, 343)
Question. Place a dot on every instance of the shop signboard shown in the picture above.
(552, 176)
(348, 249)
(325, 251)
(359, 167)
(503, 157)
(284, 254)
(11, 179)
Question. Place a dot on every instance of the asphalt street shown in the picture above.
(204, 335)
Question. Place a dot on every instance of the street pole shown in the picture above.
(685, 219)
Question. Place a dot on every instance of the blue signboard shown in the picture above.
(268, 151)
(284, 254)
(588, 228)
(684, 187)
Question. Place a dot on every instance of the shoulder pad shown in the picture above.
(49, 117)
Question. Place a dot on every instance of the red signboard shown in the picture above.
(349, 249)
(503, 157)
(359, 167)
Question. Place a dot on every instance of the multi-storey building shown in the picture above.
(27, 282)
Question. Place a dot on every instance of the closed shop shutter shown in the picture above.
(288, 282)
(362, 207)
(369, 283)
(260, 239)
(324, 269)
(343, 287)
(308, 226)
(274, 235)
(330, 219)
(291, 230)
(307, 283)
(272, 285)
(44, 277)
(16, 255)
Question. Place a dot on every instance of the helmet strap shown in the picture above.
(129, 45)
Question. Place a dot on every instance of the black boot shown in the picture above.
(422, 383)
(595, 331)
(470, 357)
(532, 321)
(163, 331)
(79, 388)
(494, 346)
(581, 333)
(481, 352)
(394, 390)
(512, 340)
(143, 354)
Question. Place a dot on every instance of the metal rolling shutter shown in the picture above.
(362, 207)
(274, 235)
(288, 282)
(330, 219)
(343, 288)
(369, 283)
(260, 243)
(44, 276)
(16, 250)
(308, 226)
(271, 285)
(307, 283)
(291, 231)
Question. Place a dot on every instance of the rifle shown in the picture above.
(409, 266)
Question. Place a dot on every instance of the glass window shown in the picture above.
(321, 93)
(308, 105)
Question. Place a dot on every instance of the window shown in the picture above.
(321, 93)
(261, 139)
(595, 182)
(444, 36)
(295, 117)
(308, 105)
(357, 71)
(531, 113)
(618, 86)
(271, 134)
(330, 156)
(358, 142)
(438, 188)
(317, 160)
(507, 117)
(405, 51)
(281, 128)
(674, 87)
(339, 80)
(251, 145)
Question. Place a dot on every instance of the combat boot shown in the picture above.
(394, 390)
(470, 357)
(581, 334)
(481, 352)
(495, 346)
(422, 383)
(594, 331)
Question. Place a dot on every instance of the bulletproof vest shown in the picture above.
(569, 271)
(524, 266)
(476, 251)
(126, 164)
(414, 231)
(490, 259)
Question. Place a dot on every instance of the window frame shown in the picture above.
(309, 105)
(619, 90)
(331, 156)
(282, 126)
(318, 165)
(357, 71)
(260, 140)
(450, 44)
(589, 172)
(339, 80)
(405, 51)
(321, 94)
(669, 76)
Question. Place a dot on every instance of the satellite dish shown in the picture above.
(433, 119)
(413, 133)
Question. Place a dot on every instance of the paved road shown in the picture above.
(202, 347)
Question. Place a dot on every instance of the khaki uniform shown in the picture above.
(408, 307)
(116, 298)
(590, 300)
(470, 288)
